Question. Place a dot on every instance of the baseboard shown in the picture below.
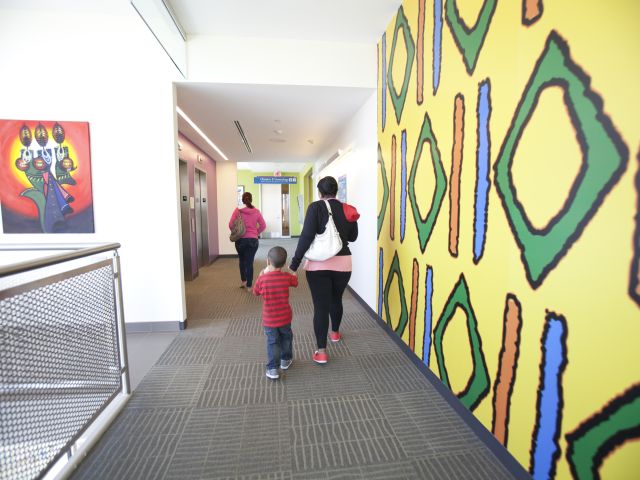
(155, 327)
(501, 453)
(226, 255)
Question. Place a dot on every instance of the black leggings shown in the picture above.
(326, 288)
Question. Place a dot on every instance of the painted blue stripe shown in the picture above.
(428, 316)
(384, 80)
(380, 288)
(403, 179)
(437, 43)
(482, 171)
(554, 357)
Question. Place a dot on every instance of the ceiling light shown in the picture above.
(200, 132)
(310, 141)
(278, 132)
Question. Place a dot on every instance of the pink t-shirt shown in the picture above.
(339, 263)
(254, 224)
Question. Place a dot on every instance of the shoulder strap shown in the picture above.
(326, 202)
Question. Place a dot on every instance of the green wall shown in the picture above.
(245, 177)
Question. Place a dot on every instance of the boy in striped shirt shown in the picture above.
(273, 285)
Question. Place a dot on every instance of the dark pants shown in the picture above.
(279, 345)
(326, 288)
(246, 248)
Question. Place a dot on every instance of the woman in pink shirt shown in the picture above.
(247, 246)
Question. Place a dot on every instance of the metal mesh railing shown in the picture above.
(60, 364)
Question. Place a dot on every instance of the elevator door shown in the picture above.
(201, 214)
(184, 221)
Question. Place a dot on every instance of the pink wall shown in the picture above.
(189, 153)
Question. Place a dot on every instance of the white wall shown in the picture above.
(281, 61)
(360, 168)
(227, 179)
(99, 63)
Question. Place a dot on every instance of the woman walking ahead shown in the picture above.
(328, 278)
(247, 246)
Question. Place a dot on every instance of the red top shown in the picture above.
(274, 288)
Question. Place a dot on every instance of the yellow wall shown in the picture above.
(530, 312)
(245, 177)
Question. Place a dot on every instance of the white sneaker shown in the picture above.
(273, 373)
(284, 364)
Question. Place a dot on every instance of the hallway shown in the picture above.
(207, 411)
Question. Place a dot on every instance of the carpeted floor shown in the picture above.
(207, 411)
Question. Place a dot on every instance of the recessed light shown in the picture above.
(278, 132)
(310, 141)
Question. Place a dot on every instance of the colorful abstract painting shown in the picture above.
(45, 171)
(509, 219)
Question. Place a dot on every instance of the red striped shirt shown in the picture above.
(274, 288)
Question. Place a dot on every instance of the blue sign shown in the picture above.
(275, 179)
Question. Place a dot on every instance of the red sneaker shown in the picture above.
(320, 357)
(335, 336)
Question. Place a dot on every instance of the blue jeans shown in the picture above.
(246, 248)
(279, 345)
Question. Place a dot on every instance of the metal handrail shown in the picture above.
(49, 260)
(66, 460)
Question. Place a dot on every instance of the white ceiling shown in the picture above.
(303, 113)
(309, 118)
(358, 21)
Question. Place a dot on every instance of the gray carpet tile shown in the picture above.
(190, 351)
(341, 376)
(140, 444)
(207, 411)
(477, 464)
(241, 384)
(170, 386)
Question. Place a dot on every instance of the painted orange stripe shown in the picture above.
(392, 192)
(456, 168)
(414, 306)
(532, 10)
(420, 51)
(507, 368)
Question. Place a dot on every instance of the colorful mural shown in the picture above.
(45, 170)
(525, 299)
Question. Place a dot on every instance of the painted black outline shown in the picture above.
(486, 81)
(419, 94)
(470, 69)
(386, 192)
(416, 160)
(401, 22)
(434, 88)
(463, 281)
(461, 96)
(563, 366)
(608, 447)
(634, 278)
(526, 22)
(513, 297)
(401, 292)
(608, 127)
(404, 192)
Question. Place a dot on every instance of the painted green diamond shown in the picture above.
(604, 159)
(404, 314)
(399, 99)
(478, 385)
(425, 226)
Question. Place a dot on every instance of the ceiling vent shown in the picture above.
(243, 136)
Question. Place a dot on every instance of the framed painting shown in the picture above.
(45, 170)
(240, 193)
